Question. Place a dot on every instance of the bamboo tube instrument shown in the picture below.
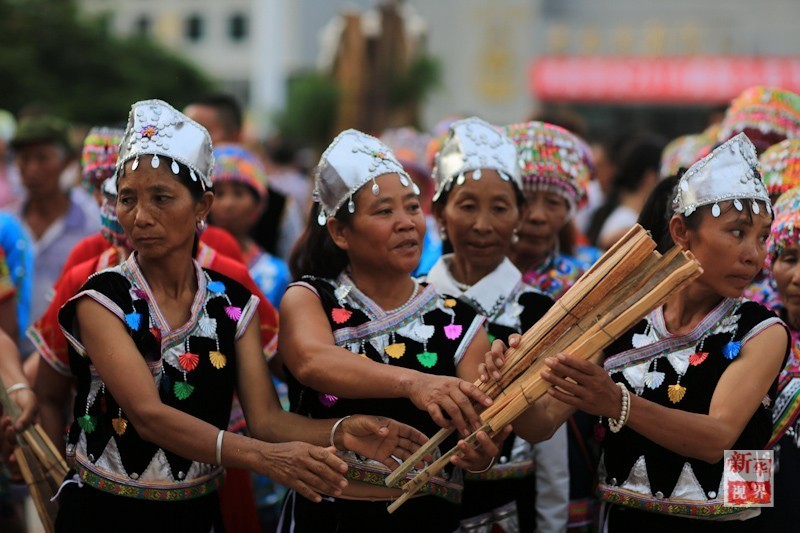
(626, 254)
(628, 282)
(40, 462)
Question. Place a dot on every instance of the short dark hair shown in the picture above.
(228, 108)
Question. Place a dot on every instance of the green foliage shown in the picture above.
(51, 57)
(420, 78)
(310, 112)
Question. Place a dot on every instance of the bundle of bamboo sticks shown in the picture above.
(627, 282)
(40, 462)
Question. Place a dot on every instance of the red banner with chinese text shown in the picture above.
(682, 80)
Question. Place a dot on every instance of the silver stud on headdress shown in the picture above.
(730, 172)
(352, 160)
(472, 146)
(156, 128)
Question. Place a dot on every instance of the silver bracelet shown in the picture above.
(18, 387)
(491, 464)
(336, 425)
(219, 446)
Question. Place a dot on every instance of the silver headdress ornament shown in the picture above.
(158, 129)
(730, 172)
(474, 144)
(351, 160)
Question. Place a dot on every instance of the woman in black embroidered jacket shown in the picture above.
(158, 345)
(359, 334)
(698, 375)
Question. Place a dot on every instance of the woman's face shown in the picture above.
(731, 248)
(235, 207)
(157, 211)
(786, 271)
(386, 231)
(479, 218)
(547, 214)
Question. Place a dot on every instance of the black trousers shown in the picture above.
(425, 514)
(485, 496)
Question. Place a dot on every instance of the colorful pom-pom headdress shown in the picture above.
(780, 167)
(552, 159)
(785, 230)
(233, 162)
(766, 114)
(99, 156)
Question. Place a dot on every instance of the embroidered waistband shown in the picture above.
(710, 509)
(144, 492)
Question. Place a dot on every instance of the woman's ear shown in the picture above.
(204, 205)
(338, 233)
(680, 232)
(437, 210)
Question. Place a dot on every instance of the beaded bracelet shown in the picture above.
(335, 426)
(616, 425)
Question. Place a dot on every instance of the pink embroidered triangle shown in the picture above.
(328, 400)
(233, 312)
(453, 331)
(140, 293)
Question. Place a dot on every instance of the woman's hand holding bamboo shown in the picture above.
(583, 385)
(449, 401)
(480, 457)
(491, 368)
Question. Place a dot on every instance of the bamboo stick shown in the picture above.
(635, 296)
(413, 485)
(553, 329)
(583, 295)
(602, 334)
(35, 478)
(605, 331)
(40, 463)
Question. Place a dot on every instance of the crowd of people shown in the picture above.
(218, 338)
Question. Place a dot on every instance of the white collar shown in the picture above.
(501, 282)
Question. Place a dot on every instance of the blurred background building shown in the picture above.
(667, 64)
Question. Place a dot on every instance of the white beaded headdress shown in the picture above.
(730, 172)
(474, 144)
(351, 160)
(158, 129)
